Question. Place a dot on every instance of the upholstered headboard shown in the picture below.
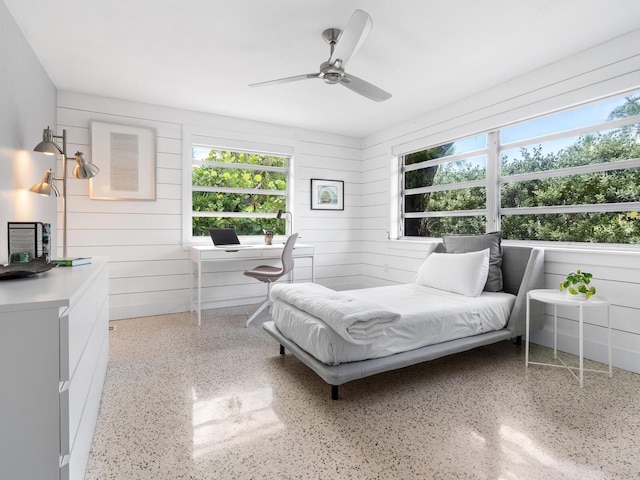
(523, 270)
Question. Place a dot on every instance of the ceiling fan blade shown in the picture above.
(351, 37)
(286, 80)
(365, 88)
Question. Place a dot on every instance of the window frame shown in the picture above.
(402, 168)
(194, 137)
(494, 179)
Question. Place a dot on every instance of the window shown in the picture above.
(239, 189)
(573, 176)
(445, 189)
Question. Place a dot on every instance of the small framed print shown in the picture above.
(327, 194)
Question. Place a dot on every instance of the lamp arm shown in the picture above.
(64, 193)
(64, 141)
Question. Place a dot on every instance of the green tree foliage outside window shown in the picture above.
(239, 183)
(609, 186)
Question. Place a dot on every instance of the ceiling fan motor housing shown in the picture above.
(331, 73)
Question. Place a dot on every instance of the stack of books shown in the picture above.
(71, 262)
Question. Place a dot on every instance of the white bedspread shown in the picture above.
(427, 316)
(357, 320)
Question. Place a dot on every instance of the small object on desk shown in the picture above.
(71, 262)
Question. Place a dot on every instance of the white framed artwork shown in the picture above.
(126, 156)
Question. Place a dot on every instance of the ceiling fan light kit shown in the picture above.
(343, 44)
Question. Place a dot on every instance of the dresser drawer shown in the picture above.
(75, 464)
(77, 323)
(240, 254)
(73, 399)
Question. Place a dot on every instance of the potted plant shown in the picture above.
(578, 284)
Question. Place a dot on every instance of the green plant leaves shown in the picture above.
(578, 283)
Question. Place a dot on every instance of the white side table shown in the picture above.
(555, 298)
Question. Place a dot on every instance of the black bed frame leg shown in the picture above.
(519, 340)
(281, 349)
(334, 392)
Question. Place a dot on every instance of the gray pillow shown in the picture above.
(473, 243)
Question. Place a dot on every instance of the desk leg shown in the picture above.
(191, 280)
(526, 334)
(199, 293)
(580, 334)
(313, 270)
(555, 331)
(609, 340)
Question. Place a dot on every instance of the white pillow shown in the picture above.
(431, 247)
(463, 273)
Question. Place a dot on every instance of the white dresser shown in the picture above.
(54, 350)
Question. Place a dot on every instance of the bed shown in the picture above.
(394, 334)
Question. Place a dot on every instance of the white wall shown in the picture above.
(607, 69)
(27, 106)
(149, 269)
(148, 266)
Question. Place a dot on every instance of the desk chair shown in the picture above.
(269, 273)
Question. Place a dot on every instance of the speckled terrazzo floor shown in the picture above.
(219, 402)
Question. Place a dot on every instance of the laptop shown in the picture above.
(226, 238)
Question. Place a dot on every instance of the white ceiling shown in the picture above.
(202, 54)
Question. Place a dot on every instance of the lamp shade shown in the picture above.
(47, 145)
(83, 168)
(46, 186)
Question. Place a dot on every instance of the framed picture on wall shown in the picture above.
(126, 156)
(327, 194)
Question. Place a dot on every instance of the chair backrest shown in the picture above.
(287, 253)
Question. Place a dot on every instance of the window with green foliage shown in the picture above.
(243, 190)
(444, 189)
(573, 176)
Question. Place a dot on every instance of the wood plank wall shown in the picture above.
(604, 70)
(149, 268)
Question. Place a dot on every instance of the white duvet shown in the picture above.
(427, 316)
(358, 320)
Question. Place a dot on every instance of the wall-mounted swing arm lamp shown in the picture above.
(82, 169)
(279, 215)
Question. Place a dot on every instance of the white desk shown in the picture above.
(555, 298)
(209, 253)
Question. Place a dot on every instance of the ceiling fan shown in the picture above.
(343, 45)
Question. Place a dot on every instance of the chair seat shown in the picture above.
(265, 273)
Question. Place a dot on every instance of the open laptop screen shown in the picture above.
(224, 236)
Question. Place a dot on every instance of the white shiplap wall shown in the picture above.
(604, 70)
(149, 268)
